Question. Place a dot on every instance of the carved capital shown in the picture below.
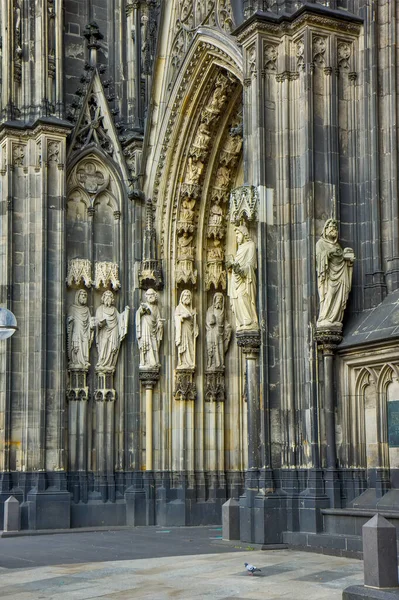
(328, 339)
(215, 389)
(148, 377)
(249, 341)
(185, 388)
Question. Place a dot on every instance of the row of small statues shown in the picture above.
(334, 272)
(111, 326)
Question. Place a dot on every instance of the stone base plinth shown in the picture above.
(361, 592)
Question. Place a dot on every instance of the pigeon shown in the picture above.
(250, 568)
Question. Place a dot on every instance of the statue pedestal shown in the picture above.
(185, 388)
(215, 389)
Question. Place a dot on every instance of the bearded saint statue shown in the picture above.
(334, 276)
(242, 281)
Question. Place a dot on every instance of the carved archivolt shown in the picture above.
(190, 189)
(215, 273)
(192, 14)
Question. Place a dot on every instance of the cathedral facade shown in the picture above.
(200, 243)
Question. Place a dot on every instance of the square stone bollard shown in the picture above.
(12, 515)
(380, 559)
(231, 520)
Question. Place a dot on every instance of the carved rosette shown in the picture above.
(185, 388)
(106, 274)
(215, 389)
(79, 271)
(244, 204)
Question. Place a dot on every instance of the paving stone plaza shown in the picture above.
(122, 565)
(199, 245)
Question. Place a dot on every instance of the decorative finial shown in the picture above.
(93, 35)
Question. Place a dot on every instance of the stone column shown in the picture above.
(105, 396)
(78, 396)
(328, 341)
(148, 378)
(249, 342)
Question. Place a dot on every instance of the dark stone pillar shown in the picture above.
(328, 341)
(249, 341)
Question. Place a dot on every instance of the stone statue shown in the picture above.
(218, 333)
(202, 137)
(194, 170)
(242, 281)
(187, 212)
(80, 331)
(186, 331)
(216, 214)
(334, 276)
(185, 271)
(149, 331)
(111, 329)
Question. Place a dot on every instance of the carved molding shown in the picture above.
(106, 274)
(78, 271)
(306, 19)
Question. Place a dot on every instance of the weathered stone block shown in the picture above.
(12, 515)
(380, 553)
(231, 520)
